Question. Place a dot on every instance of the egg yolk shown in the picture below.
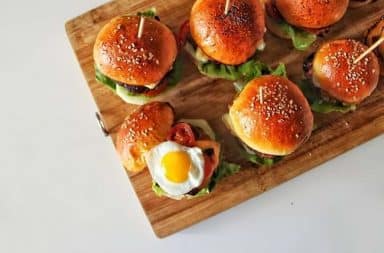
(176, 165)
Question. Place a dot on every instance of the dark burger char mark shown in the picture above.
(321, 32)
(308, 65)
(257, 152)
(272, 10)
(133, 88)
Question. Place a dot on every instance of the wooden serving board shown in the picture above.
(201, 97)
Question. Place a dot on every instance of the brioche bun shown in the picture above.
(143, 129)
(312, 13)
(120, 55)
(232, 38)
(335, 73)
(278, 123)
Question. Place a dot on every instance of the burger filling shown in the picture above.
(209, 67)
(301, 38)
(197, 133)
(320, 100)
(144, 92)
(250, 154)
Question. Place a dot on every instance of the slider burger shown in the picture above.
(183, 157)
(271, 117)
(336, 82)
(302, 20)
(375, 33)
(136, 69)
(222, 44)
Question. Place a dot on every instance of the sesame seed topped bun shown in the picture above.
(232, 38)
(123, 57)
(312, 13)
(336, 74)
(143, 129)
(271, 116)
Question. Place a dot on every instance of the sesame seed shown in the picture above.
(261, 94)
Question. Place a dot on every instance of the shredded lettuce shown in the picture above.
(150, 13)
(301, 39)
(318, 104)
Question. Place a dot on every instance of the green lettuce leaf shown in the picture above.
(319, 105)
(150, 13)
(175, 75)
(104, 79)
(243, 73)
(301, 39)
(280, 70)
(262, 161)
(225, 169)
(325, 107)
(157, 189)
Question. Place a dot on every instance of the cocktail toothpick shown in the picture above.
(141, 27)
(370, 49)
(227, 3)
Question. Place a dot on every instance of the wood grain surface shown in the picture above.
(200, 97)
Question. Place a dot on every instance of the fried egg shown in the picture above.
(177, 169)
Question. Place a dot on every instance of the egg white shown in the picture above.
(154, 157)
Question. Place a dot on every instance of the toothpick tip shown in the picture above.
(369, 50)
(226, 9)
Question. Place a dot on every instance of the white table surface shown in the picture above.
(62, 188)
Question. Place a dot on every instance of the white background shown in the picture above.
(62, 188)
